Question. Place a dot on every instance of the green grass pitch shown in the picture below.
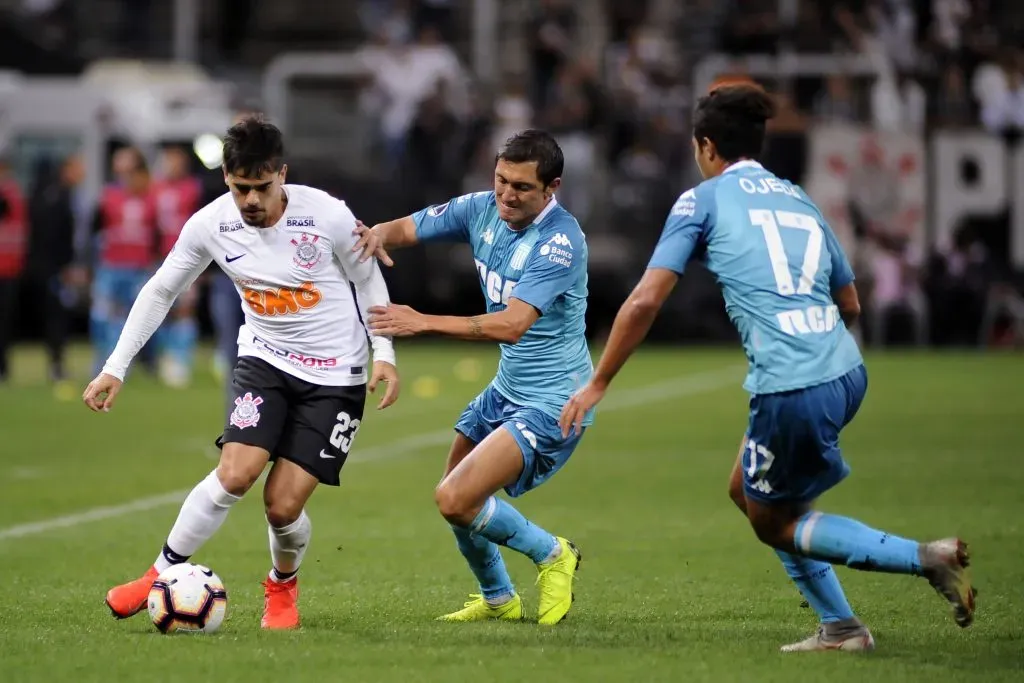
(673, 586)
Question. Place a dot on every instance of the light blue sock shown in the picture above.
(485, 560)
(181, 340)
(841, 540)
(501, 523)
(819, 585)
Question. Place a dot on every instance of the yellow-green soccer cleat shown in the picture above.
(477, 609)
(555, 582)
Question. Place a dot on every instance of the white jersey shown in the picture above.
(295, 279)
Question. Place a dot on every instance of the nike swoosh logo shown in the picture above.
(324, 455)
(229, 259)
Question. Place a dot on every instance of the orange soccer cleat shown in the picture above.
(130, 598)
(280, 610)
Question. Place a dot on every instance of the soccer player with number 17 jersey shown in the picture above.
(790, 292)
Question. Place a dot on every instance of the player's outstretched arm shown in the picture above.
(632, 323)
(377, 240)
(506, 326)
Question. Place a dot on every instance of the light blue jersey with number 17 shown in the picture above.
(545, 265)
(778, 263)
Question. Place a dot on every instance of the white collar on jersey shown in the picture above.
(540, 216)
(746, 163)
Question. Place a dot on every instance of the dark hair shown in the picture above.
(141, 165)
(733, 117)
(534, 145)
(253, 147)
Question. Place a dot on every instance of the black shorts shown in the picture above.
(309, 424)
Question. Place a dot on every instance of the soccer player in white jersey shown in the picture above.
(301, 378)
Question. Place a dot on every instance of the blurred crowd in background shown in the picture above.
(614, 80)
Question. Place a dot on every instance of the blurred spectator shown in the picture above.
(572, 115)
(958, 280)
(897, 99)
(785, 152)
(50, 272)
(894, 24)
(752, 27)
(624, 16)
(952, 101)
(390, 21)
(836, 103)
(407, 74)
(998, 88)
(433, 159)
(177, 193)
(437, 13)
(13, 237)
(513, 112)
(898, 102)
(53, 21)
(127, 233)
(552, 36)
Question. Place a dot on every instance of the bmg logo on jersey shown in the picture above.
(497, 289)
(282, 300)
(552, 249)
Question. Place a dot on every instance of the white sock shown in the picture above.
(202, 513)
(555, 553)
(288, 546)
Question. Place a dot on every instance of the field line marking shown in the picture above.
(678, 387)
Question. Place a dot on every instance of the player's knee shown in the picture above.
(768, 530)
(282, 511)
(236, 480)
(736, 494)
(238, 474)
(451, 505)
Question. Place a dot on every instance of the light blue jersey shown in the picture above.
(544, 265)
(778, 263)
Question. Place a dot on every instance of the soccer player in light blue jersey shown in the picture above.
(790, 292)
(531, 257)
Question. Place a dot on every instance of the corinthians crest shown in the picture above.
(247, 411)
(307, 253)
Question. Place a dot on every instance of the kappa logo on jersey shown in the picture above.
(488, 236)
(247, 411)
(686, 205)
(300, 222)
(437, 210)
(231, 226)
(307, 254)
(555, 254)
(282, 300)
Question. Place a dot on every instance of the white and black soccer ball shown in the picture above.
(188, 597)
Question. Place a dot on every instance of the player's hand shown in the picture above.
(395, 320)
(576, 408)
(101, 392)
(371, 244)
(387, 373)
